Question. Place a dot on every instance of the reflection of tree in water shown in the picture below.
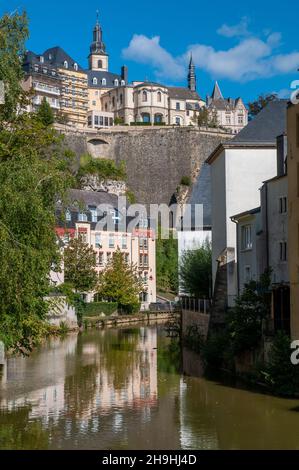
(120, 354)
(18, 432)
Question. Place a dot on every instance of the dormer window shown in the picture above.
(104, 81)
(123, 83)
(41, 59)
(65, 64)
(94, 81)
(50, 56)
(116, 82)
(68, 216)
(75, 66)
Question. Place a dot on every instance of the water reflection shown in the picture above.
(120, 389)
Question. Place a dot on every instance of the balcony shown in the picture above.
(46, 88)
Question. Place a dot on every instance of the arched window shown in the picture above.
(144, 96)
(94, 81)
(65, 64)
(104, 81)
(116, 82)
(75, 66)
(113, 101)
(159, 96)
(100, 64)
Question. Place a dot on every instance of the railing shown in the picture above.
(195, 305)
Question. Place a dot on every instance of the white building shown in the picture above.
(230, 113)
(238, 170)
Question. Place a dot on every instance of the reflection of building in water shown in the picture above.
(73, 377)
(38, 381)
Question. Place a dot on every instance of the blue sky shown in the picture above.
(249, 47)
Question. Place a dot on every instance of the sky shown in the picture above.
(251, 47)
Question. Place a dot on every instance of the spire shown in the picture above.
(191, 75)
(217, 95)
(97, 45)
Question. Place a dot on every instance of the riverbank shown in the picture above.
(122, 320)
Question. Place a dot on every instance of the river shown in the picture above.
(124, 389)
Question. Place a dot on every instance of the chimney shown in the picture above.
(282, 149)
(124, 73)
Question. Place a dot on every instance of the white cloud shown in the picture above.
(240, 29)
(148, 51)
(252, 58)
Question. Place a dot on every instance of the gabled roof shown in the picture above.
(216, 94)
(181, 93)
(266, 126)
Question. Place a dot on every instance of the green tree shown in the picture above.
(167, 263)
(13, 34)
(120, 283)
(195, 271)
(256, 106)
(79, 266)
(34, 172)
(245, 320)
(206, 118)
(45, 113)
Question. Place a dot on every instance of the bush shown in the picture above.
(186, 181)
(96, 308)
(140, 123)
(280, 375)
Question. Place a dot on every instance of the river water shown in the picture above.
(124, 389)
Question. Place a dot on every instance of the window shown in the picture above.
(94, 103)
(96, 120)
(283, 205)
(113, 101)
(144, 96)
(94, 214)
(146, 117)
(106, 121)
(104, 81)
(82, 217)
(68, 216)
(145, 260)
(283, 251)
(116, 83)
(101, 120)
(123, 83)
(75, 66)
(94, 81)
(228, 119)
(178, 121)
(146, 277)
(100, 64)
(65, 64)
(240, 119)
(108, 256)
(121, 99)
(127, 257)
(143, 243)
(246, 237)
(141, 260)
(111, 240)
(98, 240)
(247, 274)
(101, 258)
(178, 106)
(159, 96)
(41, 59)
(124, 242)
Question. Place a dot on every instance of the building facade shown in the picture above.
(293, 216)
(238, 170)
(85, 218)
(229, 113)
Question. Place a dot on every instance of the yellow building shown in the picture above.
(74, 96)
(293, 177)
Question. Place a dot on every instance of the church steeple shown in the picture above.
(98, 58)
(191, 75)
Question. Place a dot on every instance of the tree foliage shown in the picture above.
(206, 118)
(167, 263)
(120, 283)
(245, 320)
(196, 271)
(13, 34)
(79, 265)
(45, 113)
(260, 103)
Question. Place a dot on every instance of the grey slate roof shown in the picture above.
(180, 93)
(266, 126)
(54, 56)
(110, 77)
(216, 94)
(92, 198)
(201, 194)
